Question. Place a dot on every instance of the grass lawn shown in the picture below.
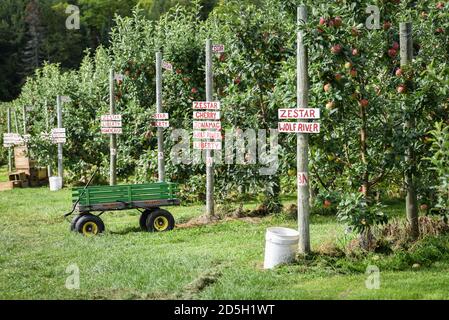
(222, 261)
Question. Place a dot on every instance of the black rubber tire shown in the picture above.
(144, 216)
(88, 224)
(74, 221)
(166, 219)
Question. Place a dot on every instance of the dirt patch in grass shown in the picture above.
(199, 284)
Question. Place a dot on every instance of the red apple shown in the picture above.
(338, 77)
(355, 32)
(353, 73)
(338, 22)
(355, 52)
(336, 49)
(348, 65)
(322, 21)
(330, 105)
(178, 71)
(237, 80)
(222, 57)
(440, 5)
(387, 25)
(364, 103)
(392, 53)
(320, 30)
(327, 203)
(439, 30)
(395, 46)
(398, 72)
(194, 90)
(327, 87)
(424, 207)
(401, 88)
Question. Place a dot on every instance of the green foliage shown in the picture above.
(440, 164)
(355, 211)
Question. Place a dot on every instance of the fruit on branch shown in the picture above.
(355, 52)
(364, 103)
(194, 90)
(336, 49)
(327, 87)
(387, 25)
(392, 52)
(353, 73)
(401, 88)
(399, 72)
(395, 46)
(330, 105)
(338, 77)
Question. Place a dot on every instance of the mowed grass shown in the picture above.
(222, 261)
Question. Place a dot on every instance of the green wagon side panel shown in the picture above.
(125, 193)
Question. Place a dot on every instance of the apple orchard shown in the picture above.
(362, 93)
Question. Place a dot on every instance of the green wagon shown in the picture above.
(147, 198)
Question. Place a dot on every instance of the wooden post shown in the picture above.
(16, 122)
(411, 203)
(210, 209)
(47, 124)
(60, 164)
(302, 147)
(160, 131)
(113, 137)
(24, 120)
(10, 148)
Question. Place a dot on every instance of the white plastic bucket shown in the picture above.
(55, 183)
(281, 245)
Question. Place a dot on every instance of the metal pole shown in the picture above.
(47, 123)
(113, 139)
(406, 45)
(160, 131)
(59, 111)
(210, 210)
(302, 147)
(10, 148)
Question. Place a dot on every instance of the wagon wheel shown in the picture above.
(74, 221)
(160, 220)
(89, 225)
(144, 216)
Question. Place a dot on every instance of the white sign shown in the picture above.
(160, 116)
(167, 66)
(111, 130)
(118, 77)
(207, 135)
(58, 130)
(66, 99)
(12, 139)
(58, 135)
(111, 124)
(205, 105)
(303, 179)
(57, 140)
(111, 117)
(299, 127)
(160, 155)
(299, 113)
(199, 125)
(218, 48)
(206, 115)
(206, 145)
(161, 124)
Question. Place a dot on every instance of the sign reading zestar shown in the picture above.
(299, 113)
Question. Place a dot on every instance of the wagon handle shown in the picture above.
(79, 197)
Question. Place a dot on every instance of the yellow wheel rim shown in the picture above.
(90, 228)
(160, 223)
